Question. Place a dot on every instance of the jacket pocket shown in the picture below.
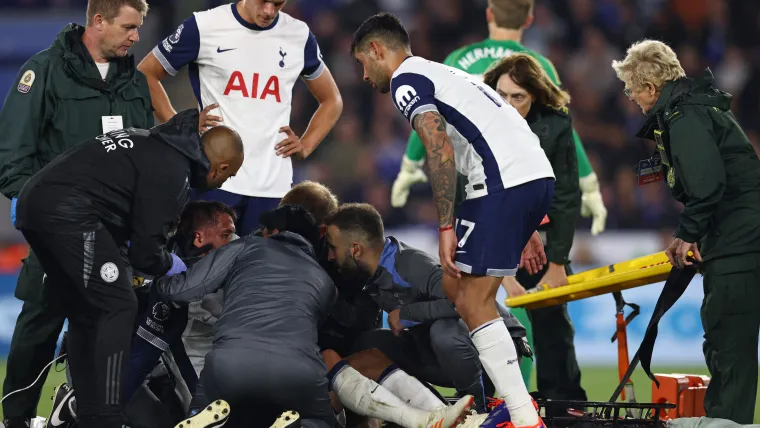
(77, 116)
(134, 106)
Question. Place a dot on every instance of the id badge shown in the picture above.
(649, 171)
(112, 123)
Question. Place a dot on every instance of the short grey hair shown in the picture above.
(649, 61)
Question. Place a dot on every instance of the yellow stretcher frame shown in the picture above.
(608, 279)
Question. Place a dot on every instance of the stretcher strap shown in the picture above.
(620, 305)
(675, 285)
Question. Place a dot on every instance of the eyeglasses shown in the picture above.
(627, 92)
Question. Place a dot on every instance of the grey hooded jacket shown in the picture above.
(275, 293)
(410, 280)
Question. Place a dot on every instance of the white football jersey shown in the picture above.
(249, 71)
(493, 145)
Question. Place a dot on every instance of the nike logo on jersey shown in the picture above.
(220, 50)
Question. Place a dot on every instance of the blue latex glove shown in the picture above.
(13, 211)
(408, 324)
(178, 266)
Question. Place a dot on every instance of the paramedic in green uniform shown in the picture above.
(710, 167)
(83, 85)
(520, 79)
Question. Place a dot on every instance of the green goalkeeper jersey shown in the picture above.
(476, 59)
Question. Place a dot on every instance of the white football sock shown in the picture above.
(365, 397)
(409, 389)
(499, 357)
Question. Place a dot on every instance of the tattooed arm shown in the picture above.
(431, 127)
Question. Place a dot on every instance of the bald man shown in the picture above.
(100, 208)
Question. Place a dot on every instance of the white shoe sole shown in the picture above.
(286, 419)
(212, 416)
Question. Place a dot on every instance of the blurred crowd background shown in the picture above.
(360, 159)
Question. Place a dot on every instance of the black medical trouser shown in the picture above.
(260, 385)
(91, 285)
(557, 370)
(731, 322)
(33, 343)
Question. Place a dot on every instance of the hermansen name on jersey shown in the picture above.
(249, 71)
(493, 145)
(490, 52)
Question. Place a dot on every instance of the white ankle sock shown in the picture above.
(365, 397)
(409, 389)
(499, 357)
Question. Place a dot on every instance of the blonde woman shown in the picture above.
(522, 82)
(713, 170)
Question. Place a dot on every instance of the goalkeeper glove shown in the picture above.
(592, 204)
(410, 174)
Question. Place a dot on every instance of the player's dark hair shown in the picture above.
(317, 198)
(527, 73)
(195, 216)
(294, 219)
(510, 14)
(361, 220)
(384, 26)
(110, 9)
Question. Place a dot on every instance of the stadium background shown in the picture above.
(360, 159)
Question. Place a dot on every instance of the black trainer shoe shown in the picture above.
(63, 412)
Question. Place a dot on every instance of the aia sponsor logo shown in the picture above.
(256, 87)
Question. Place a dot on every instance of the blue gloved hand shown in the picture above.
(407, 323)
(178, 266)
(13, 211)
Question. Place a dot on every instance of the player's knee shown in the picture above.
(471, 300)
(370, 363)
(331, 358)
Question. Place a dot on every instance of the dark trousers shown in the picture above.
(91, 285)
(247, 208)
(259, 386)
(731, 322)
(33, 343)
(440, 353)
(557, 372)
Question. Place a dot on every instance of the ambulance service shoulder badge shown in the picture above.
(26, 82)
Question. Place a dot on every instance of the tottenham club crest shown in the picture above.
(109, 272)
(161, 311)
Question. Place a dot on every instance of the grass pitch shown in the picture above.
(599, 383)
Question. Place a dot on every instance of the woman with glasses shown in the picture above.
(521, 81)
(711, 167)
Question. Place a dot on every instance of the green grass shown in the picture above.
(599, 383)
(54, 379)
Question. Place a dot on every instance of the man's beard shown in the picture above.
(354, 273)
